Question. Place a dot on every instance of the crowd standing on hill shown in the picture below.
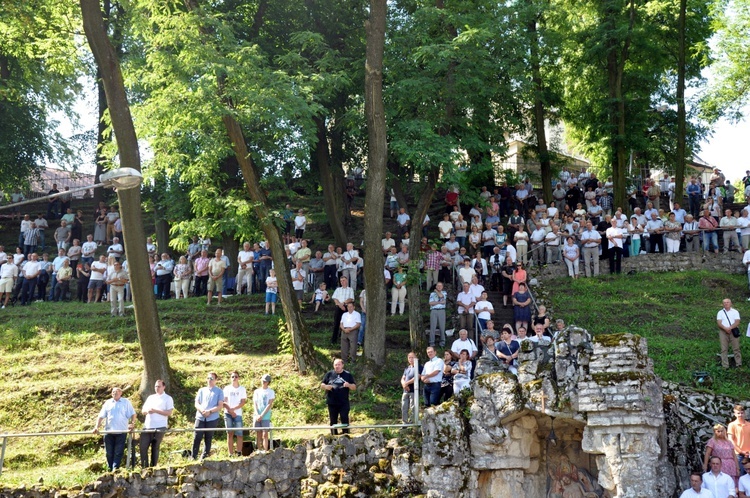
(472, 252)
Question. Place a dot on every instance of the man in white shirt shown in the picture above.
(235, 397)
(716, 481)
(245, 269)
(8, 276)
(445, 228)
(350, 258)
(32, 268)
(41, 224)
(342, 296)
(537, 245)
(157, 409)
(590, 239)
(88, 250)
(614, 238)
(96, 281)
(728, 319)
(432, 377)
(552, 243)
(115, 249)
(387, 243)
(349, 325)
(300, 224)
(117, 280)
(465, 302)
(403, 221)
(463, 342)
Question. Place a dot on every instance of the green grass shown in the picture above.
(675, 312)
(60, 360)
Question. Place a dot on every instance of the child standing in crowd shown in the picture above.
(272, 290)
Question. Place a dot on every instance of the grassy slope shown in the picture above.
(61, 359)
(676, 312)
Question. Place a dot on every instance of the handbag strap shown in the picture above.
(728, 320)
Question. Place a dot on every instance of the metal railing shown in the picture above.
(415, 423)
(270, 430)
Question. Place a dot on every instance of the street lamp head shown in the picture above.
(122, 178)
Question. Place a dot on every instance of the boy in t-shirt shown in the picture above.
(272, 289)
(263, 398)
(321, 296)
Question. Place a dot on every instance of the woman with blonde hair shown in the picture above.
(721, 447)
(182, 274)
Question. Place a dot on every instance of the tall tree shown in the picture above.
(377, 152)
(228, 100)
(155, 360)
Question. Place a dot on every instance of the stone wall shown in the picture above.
(589, 424)
(361, 466)
(681, 261)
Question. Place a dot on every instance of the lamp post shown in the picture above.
(126, 181)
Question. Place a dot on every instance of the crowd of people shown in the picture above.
(726, 462)
(466, 255)
(118, 417)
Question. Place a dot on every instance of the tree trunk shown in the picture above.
(617, 56)
(155, 360)
(398, 191)
(304, 353)
(161, 224)
(679, 179)
(98, 193)
(302, 349)
(542, 150)
(413, 292)
(377, 158)
(101, 126)
(337, 152)
(232, 248)
(334, 205)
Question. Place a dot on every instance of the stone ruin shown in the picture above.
(584, 418)
(589, 424)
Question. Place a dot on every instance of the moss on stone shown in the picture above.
(611, 378)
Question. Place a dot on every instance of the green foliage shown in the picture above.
(449, 87)
(39, 67)
(649, 43)
(731, 93)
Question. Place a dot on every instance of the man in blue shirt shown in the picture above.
(694, 197)
(119, 417)
(208, 402)
(265, 260)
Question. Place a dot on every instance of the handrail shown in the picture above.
(6, 436)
